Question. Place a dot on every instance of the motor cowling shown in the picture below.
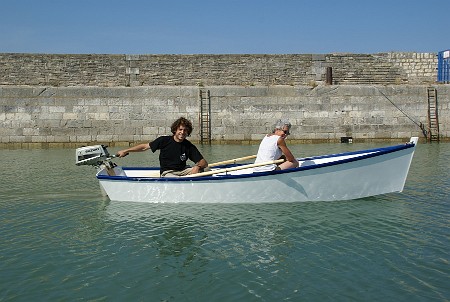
(92, 155)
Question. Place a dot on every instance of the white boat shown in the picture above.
(343, 176)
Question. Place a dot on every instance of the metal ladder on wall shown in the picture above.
(205, 116)
(433, 117)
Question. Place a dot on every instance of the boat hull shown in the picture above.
(338, 177)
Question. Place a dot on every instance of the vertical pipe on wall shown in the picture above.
(329, 80)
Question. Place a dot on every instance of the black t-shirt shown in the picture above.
(174, 155)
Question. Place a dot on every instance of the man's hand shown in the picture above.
(202, 164)
(195, 169)
(122, 153)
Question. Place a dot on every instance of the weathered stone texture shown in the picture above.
(56, 100)
(212, 70)
(71, 116)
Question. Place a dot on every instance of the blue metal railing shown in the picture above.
(444, 66)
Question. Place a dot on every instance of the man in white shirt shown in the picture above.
(273, 147)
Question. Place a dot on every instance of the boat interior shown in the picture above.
(235, 169)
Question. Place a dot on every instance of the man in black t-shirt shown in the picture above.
(175, 150)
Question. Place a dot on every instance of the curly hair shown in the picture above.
(181, 122)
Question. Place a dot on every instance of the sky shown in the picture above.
(223, 27)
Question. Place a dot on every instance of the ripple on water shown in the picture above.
(61, 238)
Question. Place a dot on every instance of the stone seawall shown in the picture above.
(42, 117)
(58, 70)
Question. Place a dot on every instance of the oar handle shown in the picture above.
(232, 161)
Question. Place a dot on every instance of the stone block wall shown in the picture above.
(418, 67)
(213, 70)
(62, 70)
(54, 100)
(38, 116)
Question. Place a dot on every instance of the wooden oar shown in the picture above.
(235, 168)
(232, 161)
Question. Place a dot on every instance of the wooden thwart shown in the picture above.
(149, 173)
(224, 170)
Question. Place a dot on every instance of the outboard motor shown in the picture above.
(96, 156)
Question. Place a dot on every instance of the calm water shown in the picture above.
(60, 240)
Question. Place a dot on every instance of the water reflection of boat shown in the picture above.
(342, 176)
